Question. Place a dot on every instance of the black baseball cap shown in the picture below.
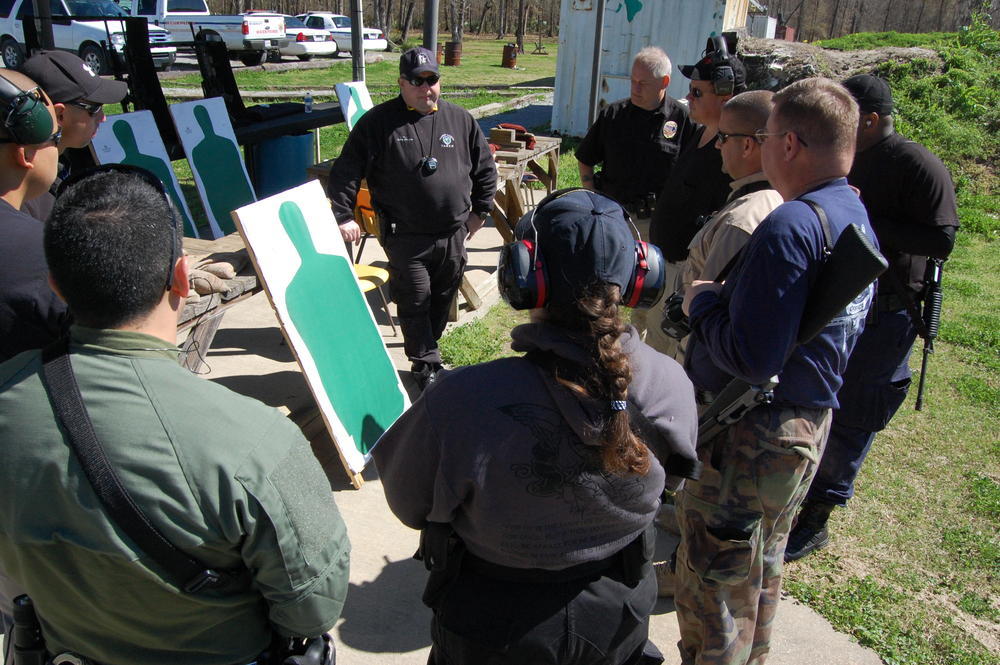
(65, 78)
(872, 93)
(583, 237)
(704, 68)
(417, 61)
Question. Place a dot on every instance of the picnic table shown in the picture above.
(203, 317)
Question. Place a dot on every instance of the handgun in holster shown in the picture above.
(441, 551)
(638, 555)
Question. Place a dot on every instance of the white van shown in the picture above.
(80, 37)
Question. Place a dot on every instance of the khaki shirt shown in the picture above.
(728, 231)
(225, 478)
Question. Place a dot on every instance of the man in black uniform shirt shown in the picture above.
(432, 179)
(637, 140)
(910, 199)
(697, 187)
(78, 98)
(31, 314)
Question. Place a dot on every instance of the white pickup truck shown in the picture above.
(249, 38)
(81, 37)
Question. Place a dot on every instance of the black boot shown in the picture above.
(810, 532)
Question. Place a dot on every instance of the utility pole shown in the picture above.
(431, 25)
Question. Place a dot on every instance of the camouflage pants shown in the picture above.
(734, 527)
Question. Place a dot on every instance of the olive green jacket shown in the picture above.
(228, 480)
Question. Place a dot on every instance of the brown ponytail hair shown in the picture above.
(607, 378)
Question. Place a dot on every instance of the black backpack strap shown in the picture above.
(57, 375)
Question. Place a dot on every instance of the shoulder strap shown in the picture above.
(67, 402)
(825, 223)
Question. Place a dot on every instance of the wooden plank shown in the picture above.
(499, 136)
(472, 299)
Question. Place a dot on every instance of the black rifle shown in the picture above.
(931, 316)
(850, 266)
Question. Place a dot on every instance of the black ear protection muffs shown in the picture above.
(723, 76)
(523, 280)
(24, 114)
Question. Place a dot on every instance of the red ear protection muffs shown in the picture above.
(523, 279)
(648, 279)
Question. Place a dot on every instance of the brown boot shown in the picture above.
(665, 578)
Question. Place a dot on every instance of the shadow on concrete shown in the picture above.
(386, 615)
(276, 389)
(266, 342)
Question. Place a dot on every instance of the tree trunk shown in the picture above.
(502, 18)
(482, 17)
(407, 18)
(522, 18)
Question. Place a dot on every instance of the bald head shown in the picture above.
(28, 166)
(749, 110)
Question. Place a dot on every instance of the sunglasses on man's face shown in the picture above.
(418, 81)
(92, 108)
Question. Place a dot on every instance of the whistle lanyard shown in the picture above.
(427, 160)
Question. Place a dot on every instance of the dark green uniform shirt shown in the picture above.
(223, 477)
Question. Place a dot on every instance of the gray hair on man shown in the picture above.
(655, 60)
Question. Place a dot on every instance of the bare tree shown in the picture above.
(487, 6)
(404, 28)
(522, 18)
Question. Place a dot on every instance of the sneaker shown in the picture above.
(810, 532)
(424, 374)
(666, 580)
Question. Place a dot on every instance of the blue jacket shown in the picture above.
(749, 330)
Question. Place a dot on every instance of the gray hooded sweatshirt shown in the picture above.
(509, 458)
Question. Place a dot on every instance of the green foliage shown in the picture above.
(978, 606)
(972, 548)
(872, 40)
(984, 495)
(482, 340)
(881, 618)
(953, 109)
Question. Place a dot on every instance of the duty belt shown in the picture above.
(641, 207)
(889, 302)
(473, 563)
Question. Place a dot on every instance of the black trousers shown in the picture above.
(595, 621)
(425, 272)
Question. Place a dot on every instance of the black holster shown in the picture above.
(299, 651)
(442, 551)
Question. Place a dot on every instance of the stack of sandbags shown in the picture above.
(210, 274)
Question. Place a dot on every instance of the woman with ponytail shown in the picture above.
(535, 479)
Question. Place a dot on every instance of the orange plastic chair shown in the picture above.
(364, 215)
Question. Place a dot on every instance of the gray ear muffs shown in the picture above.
(25, 115)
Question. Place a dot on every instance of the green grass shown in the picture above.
(480, 67)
